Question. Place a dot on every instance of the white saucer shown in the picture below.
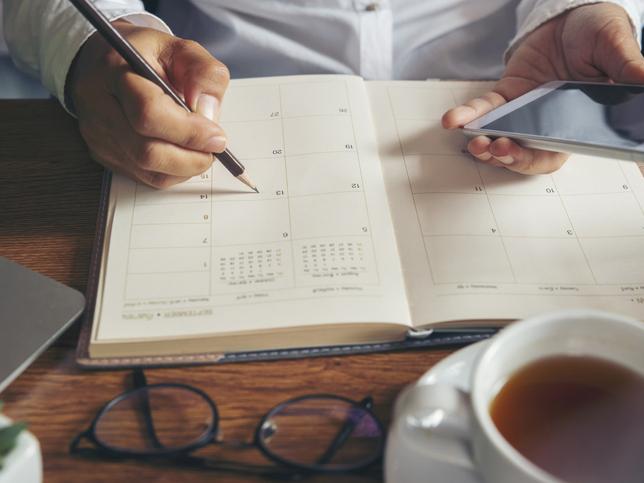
(409, 459)
(455, 369)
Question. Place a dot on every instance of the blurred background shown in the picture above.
(13, 83)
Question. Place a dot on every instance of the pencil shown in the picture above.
(141, 67)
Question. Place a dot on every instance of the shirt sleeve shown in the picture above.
(44, 36)
(533, 13)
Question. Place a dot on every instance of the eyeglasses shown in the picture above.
(307, 434)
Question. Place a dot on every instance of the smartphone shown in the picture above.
(575, 117)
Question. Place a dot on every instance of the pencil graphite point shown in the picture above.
(244, 179)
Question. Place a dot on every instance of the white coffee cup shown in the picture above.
(461, 428)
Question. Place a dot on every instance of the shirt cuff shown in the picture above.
(549, 9)
(80, 32)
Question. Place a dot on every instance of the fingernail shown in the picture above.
(215, 144)
(505, 159)
(208, 106)
(484, 156)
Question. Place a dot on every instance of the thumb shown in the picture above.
(619, 56)
(200, 77)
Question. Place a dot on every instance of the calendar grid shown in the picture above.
(329, 237)
(319, 230)
(496, 225)
(129, 244)
(579, 244)
(522, 218)
(290, 220)
(627, 184)
(169, 233)
(408, 178)
(518, 195)
(357, 149)
(211, 265)
(280, 117)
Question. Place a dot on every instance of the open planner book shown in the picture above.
(371, 222)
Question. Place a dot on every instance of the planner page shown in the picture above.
(315, 246)
(480, 242)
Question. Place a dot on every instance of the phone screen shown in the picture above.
(596, 114)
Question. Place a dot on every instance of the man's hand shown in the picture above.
(590, 43)
(130, 125)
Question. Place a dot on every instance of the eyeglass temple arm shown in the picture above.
(140, 381)
(344, 433)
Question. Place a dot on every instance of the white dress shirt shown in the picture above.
(377, 39)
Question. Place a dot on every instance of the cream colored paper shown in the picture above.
(315, 247)
(479, 242)
(317, 250)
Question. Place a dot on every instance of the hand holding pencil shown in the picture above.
(132, 125)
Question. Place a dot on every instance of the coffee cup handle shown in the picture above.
(440, 416)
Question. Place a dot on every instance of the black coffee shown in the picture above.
(579, 418)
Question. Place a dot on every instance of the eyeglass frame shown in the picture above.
(209, 436)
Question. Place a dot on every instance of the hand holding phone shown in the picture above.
(593, 43)
(574, 117)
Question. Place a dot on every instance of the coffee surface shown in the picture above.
(579, 418)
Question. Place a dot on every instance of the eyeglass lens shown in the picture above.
(178, 417)
(322, 432)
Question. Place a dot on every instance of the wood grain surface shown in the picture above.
(49, 190)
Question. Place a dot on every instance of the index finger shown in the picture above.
(153, 114)
(472, 109)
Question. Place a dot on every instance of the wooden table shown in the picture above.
(49, 189)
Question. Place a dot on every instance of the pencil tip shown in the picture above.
(244, 179)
